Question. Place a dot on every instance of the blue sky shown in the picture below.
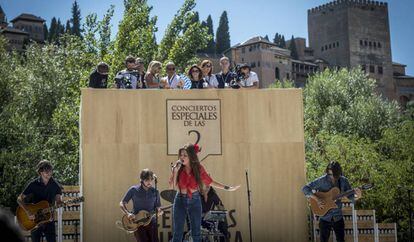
(247, 18)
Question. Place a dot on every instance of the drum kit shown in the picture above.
(209, 230)
(210, 221)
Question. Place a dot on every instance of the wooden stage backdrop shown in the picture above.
(124, 131)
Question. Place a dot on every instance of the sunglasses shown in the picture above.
(196, 71)
(208, 66)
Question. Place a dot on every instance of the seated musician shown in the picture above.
(211, 201)
(144, 197)
(42, 188)
(333, 219)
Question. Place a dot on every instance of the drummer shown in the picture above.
(211, 201)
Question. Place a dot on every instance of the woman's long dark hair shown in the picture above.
(194, 164)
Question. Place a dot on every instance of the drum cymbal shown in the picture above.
(168, 195)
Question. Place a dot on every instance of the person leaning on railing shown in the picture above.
(152, 77)
(99, 77)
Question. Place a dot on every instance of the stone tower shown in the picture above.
(351, 33)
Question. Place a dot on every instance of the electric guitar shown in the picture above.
(42, 211)
(329, 198)
(142, 218)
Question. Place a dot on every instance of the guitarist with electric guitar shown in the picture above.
(325, 200)
(43, 189)
(146, 206)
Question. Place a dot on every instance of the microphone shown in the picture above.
(155, 176)
(178, 162)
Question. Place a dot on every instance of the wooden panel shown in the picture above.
(124, 131)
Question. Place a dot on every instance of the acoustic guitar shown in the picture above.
(142, 218)
(330, 197)
(42, 211)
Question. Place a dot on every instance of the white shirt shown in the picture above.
(212, 81)
(173, 82)
(250, 80)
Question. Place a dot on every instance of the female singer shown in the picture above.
(190, 178)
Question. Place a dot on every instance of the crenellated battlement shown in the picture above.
(341, 3)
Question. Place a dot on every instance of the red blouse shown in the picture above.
(188, 181)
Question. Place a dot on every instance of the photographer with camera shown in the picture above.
(128, 78)
(247, 78)
(226, 77)
(140, 68)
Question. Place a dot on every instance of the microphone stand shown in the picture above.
(249, 205)
(156, 209)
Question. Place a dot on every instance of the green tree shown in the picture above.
(184, 50)
(76, 19)
(279, 40)
(177, 27)
(342, 101)
(293, 49)
(211, 46)
(68, 29)
(60, 29)
(195, 19)
(223, 34)
(346, 121)
(45, 32)
(183, 37)
(97, 34)
(276, 39)
(283, 42)
(104, 30)
(40, 112)
(136, 34)
(53, 31)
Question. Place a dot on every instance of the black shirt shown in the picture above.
(37, 191)
(197, 85)
(213, 201)
(225, 78)
(97, 80)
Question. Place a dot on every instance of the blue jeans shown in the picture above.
(184, 205)
(47, 229)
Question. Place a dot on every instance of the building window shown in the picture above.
(375, 44)
(370, 44)
(242, 59)
(277, 73)
(337, 44)
(330, 46)
(322, 49)
(365, 43)
(258, 64)
(243, 50)
(361, 42)
(379, 45)
(287, 76)
(253, 64)
(326, 47)
(372, 69)
(364, 68)
(380, 70)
